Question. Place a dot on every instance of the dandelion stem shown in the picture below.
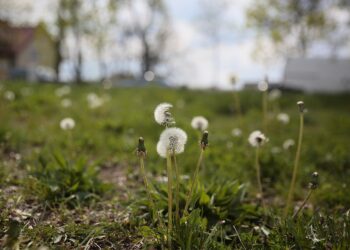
(194, 180)
(177, 209)
(148, 190)
(170, 198)
(258, 176)
(296, 165)
(238, 106)
(264, 110)
(303, 204)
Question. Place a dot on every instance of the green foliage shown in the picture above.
(58, 181)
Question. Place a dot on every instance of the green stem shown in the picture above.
(148, 190)
(258, 176)
(194, 181)
(177, 201)
(296, 166)
(303, 204)
(238, 107)
(264, 110)
(170, 199)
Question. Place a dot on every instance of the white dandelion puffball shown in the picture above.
(257, 139)
(199, 123)
(283, 118)
(171, 140)
(94, 101)
(65, 90)
(263, 86)
(236, 132)
(9, 95)
(275, 94)
(67, 123)
(66, 103)
(162, 114)
(287, 144)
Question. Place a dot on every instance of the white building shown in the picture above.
(317, 75)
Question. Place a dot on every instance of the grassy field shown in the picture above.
(82, 188)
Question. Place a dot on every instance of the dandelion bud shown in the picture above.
(301, 106)
(313, 184)
(204, 140)
(141, 149)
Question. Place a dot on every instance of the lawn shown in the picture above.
(82, 188)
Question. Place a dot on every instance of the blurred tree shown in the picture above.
(211, 21)
(150, 25)
(291, 25)
(15, 11)
(101, 24)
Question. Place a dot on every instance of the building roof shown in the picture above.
(13, 40)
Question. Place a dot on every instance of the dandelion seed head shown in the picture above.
(94, 101)
(200, 123)
(67, 123)
(62, 91)
(283, 118)
(66, 103)
(275, 94)
(163, 116)
(236, 132)
(257, 139)
(287, 144)
(171, 140)
(263, 86)
(9, 95)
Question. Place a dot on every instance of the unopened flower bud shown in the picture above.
(313, 184)
(204, 140)
(301, 106)
(141, 149)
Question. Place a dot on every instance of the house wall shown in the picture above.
(318, 75)
(39, 52)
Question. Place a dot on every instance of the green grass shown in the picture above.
(50, 196)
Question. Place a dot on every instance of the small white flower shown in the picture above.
(67, 123)
(9, 95)
(257, 139)
(162, 114)
(275, 94)
(236, 132)
(199, 123)
(283, 118)
(287, 144)
(65, 90)
(66, 103)
(171, 140)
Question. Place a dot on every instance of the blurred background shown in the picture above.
(299, 44)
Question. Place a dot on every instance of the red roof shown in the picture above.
(14, 39)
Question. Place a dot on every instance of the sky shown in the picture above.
(199, 62)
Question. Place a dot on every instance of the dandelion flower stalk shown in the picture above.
(256, 140)
(313, 184)
(141, 153)
(237, 106)
(203, 144)
(177, 190)
(258, 176)
(170, 198)
(297, 157)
